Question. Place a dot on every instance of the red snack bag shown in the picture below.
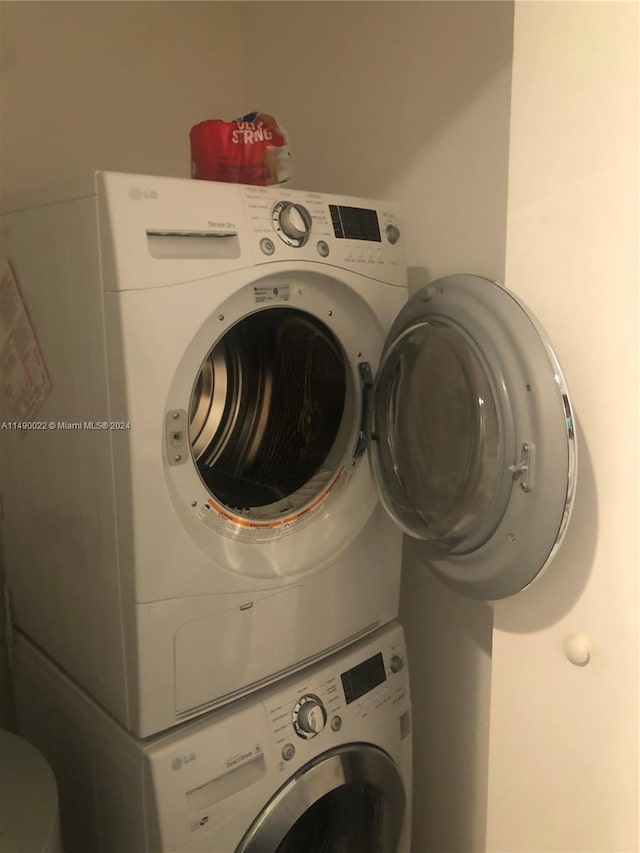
(250, 150)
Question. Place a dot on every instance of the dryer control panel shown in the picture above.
(357, 234)
(158, 231)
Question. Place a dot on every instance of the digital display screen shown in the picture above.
(363, 678)
(355, 223)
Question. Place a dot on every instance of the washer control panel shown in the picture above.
(334, 701)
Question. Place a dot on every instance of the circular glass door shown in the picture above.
(348, 800)
(472, 438)
(438, 447)
(346, 819)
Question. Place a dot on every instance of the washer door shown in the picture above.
(351, 798)
(472, 437)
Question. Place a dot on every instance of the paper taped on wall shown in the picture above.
(23, 372)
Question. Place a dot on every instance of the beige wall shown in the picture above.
(111, 85)
(564, 739)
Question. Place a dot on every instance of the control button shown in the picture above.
(323, 248)
(393, 233)
(336, 723)
(396, 663)
(309, 716)
(288, 751)
(267, 246)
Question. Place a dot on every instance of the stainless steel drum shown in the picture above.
(266, 408)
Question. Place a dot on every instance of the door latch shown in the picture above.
(524, 469)
(366, 390)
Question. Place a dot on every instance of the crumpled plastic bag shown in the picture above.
(253, 149)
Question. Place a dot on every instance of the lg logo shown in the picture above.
(137, 194)
(177, 763)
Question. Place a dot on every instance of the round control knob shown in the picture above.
(393, 233)
(396, 663)
(309, 716)
(292, 222)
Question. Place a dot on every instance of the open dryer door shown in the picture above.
(472, 437)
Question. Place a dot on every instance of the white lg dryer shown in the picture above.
(193, 512)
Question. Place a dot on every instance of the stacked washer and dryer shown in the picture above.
(203, 529)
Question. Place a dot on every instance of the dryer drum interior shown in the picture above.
(266, 412)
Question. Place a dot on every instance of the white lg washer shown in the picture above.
(319, 761)
(193, 513)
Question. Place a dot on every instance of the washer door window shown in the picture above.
(266, 412)
(351, 799)
(472, 441)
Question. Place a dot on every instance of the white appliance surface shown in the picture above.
(245, 415)
(239, 778)
(159, 599)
